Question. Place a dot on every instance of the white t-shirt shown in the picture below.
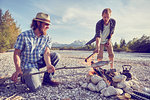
(104, 34)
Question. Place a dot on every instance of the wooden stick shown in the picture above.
(89, 57)
(2, 80)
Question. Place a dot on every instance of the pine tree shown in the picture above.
(8, 31)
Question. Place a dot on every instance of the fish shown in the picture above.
(100, 63)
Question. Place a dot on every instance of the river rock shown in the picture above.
(147, 90)
(103, 91)
(134, 82)
(91, 87)
(129, 83)
(101, 85)
(110, 91)
(119, 78)
(95, 79)
(119, 91)
(81, 82)
(121, 85)
(134, 78)
(84, 85)
(128, 89)
(135, 87)
(88, 78)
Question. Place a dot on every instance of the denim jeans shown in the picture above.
(34, 82)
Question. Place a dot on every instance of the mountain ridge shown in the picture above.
(76, 43)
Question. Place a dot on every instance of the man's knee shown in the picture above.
(54, 58)
(111, 56)
(33, 82)
(100, 57)
(55, 55)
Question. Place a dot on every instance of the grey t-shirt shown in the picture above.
(105, 34)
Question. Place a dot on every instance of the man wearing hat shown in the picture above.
(32, 52)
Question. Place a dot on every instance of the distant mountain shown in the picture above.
(76, 43)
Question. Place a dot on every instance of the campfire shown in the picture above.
(109, 82)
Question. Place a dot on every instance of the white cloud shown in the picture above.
(132, 17)
(79, 16)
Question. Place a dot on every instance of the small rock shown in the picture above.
(134, 78)
(119, 91)
(95, 79)
(84, 85)
(110, 91)
(147, 90)
(91, 87)
(128, 89)
(101, 85)
(81, 82)
(88, 78)
(129, 83)
(135, 87)
(103, 91)
(134, 82)
(119, 78)
(121, 85)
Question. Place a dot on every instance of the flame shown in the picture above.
(91, 72)
(109, 83)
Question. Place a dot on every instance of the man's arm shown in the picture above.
(112, 31)
(97, 45)
(17, 62)
(47, 59)
(108, 41)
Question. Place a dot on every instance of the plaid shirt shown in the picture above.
(32, 48)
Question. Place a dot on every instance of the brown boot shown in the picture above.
(51, 83)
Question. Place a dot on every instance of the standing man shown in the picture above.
(32, 52)
(104, 30)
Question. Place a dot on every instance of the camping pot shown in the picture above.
(126, 71)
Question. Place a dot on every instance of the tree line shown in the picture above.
(8, 31)
(136, 45)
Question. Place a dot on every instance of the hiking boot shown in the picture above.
(51, 83)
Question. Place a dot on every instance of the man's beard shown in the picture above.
(41, 31)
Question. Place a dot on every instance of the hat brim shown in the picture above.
(42, 21)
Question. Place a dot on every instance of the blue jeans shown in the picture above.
(34, 82)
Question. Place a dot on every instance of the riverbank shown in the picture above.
(70, 78)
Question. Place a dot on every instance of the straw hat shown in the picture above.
(42, 17)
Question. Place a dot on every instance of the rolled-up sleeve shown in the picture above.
(113, 27)
(97, 30)
(49, 42)
(19, 42)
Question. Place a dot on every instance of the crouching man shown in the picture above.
(32, 52)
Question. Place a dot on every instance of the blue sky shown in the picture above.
(76, 19)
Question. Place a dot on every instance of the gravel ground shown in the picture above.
(70, 89)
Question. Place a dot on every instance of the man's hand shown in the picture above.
(15, 75)
(107, 43)
(50, 68)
